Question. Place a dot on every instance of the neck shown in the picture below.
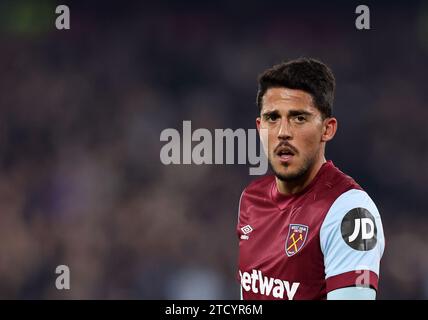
(295, 186)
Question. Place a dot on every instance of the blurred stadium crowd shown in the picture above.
(81, 112)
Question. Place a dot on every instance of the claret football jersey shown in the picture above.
(302, 246)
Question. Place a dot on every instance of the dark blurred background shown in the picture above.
(81, 112)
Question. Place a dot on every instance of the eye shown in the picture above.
(271, 117)
(300, 119)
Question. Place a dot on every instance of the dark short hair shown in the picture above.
(307, 74)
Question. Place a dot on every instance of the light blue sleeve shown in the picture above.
(351, 238)
(352, 293)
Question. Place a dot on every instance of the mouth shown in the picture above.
(285, 154)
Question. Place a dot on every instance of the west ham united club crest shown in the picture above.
(297, 234)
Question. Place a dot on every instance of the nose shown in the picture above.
(284, 130)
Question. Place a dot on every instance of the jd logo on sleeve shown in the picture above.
(359, 229)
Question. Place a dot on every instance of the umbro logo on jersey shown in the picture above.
(297, 234)
(246, 230)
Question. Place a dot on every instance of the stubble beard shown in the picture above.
(294, 176)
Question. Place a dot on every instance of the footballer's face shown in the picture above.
(296, 132)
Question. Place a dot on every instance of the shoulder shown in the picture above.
(334, 177)
(260, 186)
(331, 186)
(347, 195)
(352, 198)
(256, 193)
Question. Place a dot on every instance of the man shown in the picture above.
(309, 231)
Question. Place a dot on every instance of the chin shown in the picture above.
(288, 174)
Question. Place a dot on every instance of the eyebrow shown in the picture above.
(270, 112)
(291, 113)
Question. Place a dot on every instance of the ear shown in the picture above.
(329, 129)
(258, 120)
